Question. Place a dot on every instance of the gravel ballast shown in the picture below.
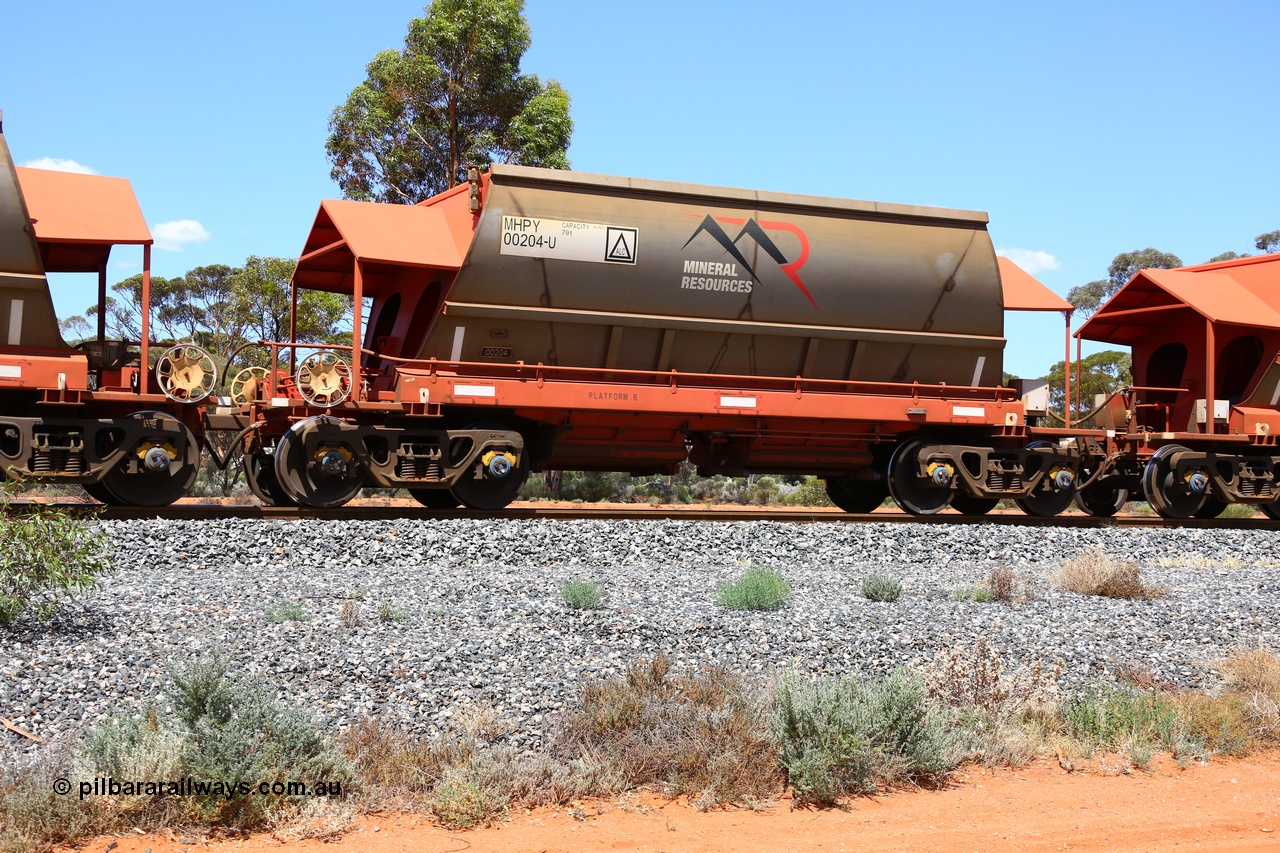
(412, 621)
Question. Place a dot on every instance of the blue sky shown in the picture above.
(1083, 129)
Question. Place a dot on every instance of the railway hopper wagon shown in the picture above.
(1197, 430)
(531, 319)
(88, 414)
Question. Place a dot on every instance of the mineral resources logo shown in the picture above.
(725, 277)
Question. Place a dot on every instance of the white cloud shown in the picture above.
(1031, 260)
(176, 235)
(59, 165)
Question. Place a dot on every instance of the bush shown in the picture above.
(1094, 573)
(581, 595)
(289, 611)
(208, 726)
(981, 594)
(699, 734)
(841, 736)
(1118, 719)
(811, 492)
(757, 589)
(46, 555)
(881, 588)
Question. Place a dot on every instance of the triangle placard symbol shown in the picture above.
(620, 251)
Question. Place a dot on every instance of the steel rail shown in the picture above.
(807, 515)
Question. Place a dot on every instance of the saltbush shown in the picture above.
(881, 588)
(757, 589)
(841, 736)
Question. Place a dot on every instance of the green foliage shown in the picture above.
(454, 96)
(1100, 373)
(841, 736)
(1268, 242)
(979, 594)
(581, 595)
(1089, 297)
(757, 589)
(235, 730)
(812, 491)
(1116, 718)
(388, 612)
(881, 588)
(289, 611)
(1226, 256)
(46, 555)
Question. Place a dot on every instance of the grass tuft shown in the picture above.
(757, 589)
(581, 595)
(1094, 573)
(881, 588)
(289, 611)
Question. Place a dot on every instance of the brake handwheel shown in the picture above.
(324, 379)
(245, 387)
(186, 373)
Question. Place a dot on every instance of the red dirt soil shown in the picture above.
(1226, 805)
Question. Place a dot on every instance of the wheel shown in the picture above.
(315, 466)
(915, 494)
(1047, 499)
(1101, 500)
(160, 466)
(492, 492)
(860, 496)
(966, 505)
(100, 493)
(1212, 508)
(1167, 497)
(186, 373)
(260, 473)
(1271, 510)
(435, 498)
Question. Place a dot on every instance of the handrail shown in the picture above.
(542, 372)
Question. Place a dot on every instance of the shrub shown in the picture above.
(236, 730)
(757, 589)
(388, 612)
(699, 734)
(980, 593)
(289, 611)
(881, 588)
(974, 676)
(1253, 670)
(842, 736)
(581, 595)
(1002, 583)
(1116, 718)
(47, 555)
(1094, 573)
(811, 492)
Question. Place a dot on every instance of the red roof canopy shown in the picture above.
(382, 236)
(78, 218)
(1244, 292)
(1023, 292)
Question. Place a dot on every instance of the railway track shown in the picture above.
(202, 511)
